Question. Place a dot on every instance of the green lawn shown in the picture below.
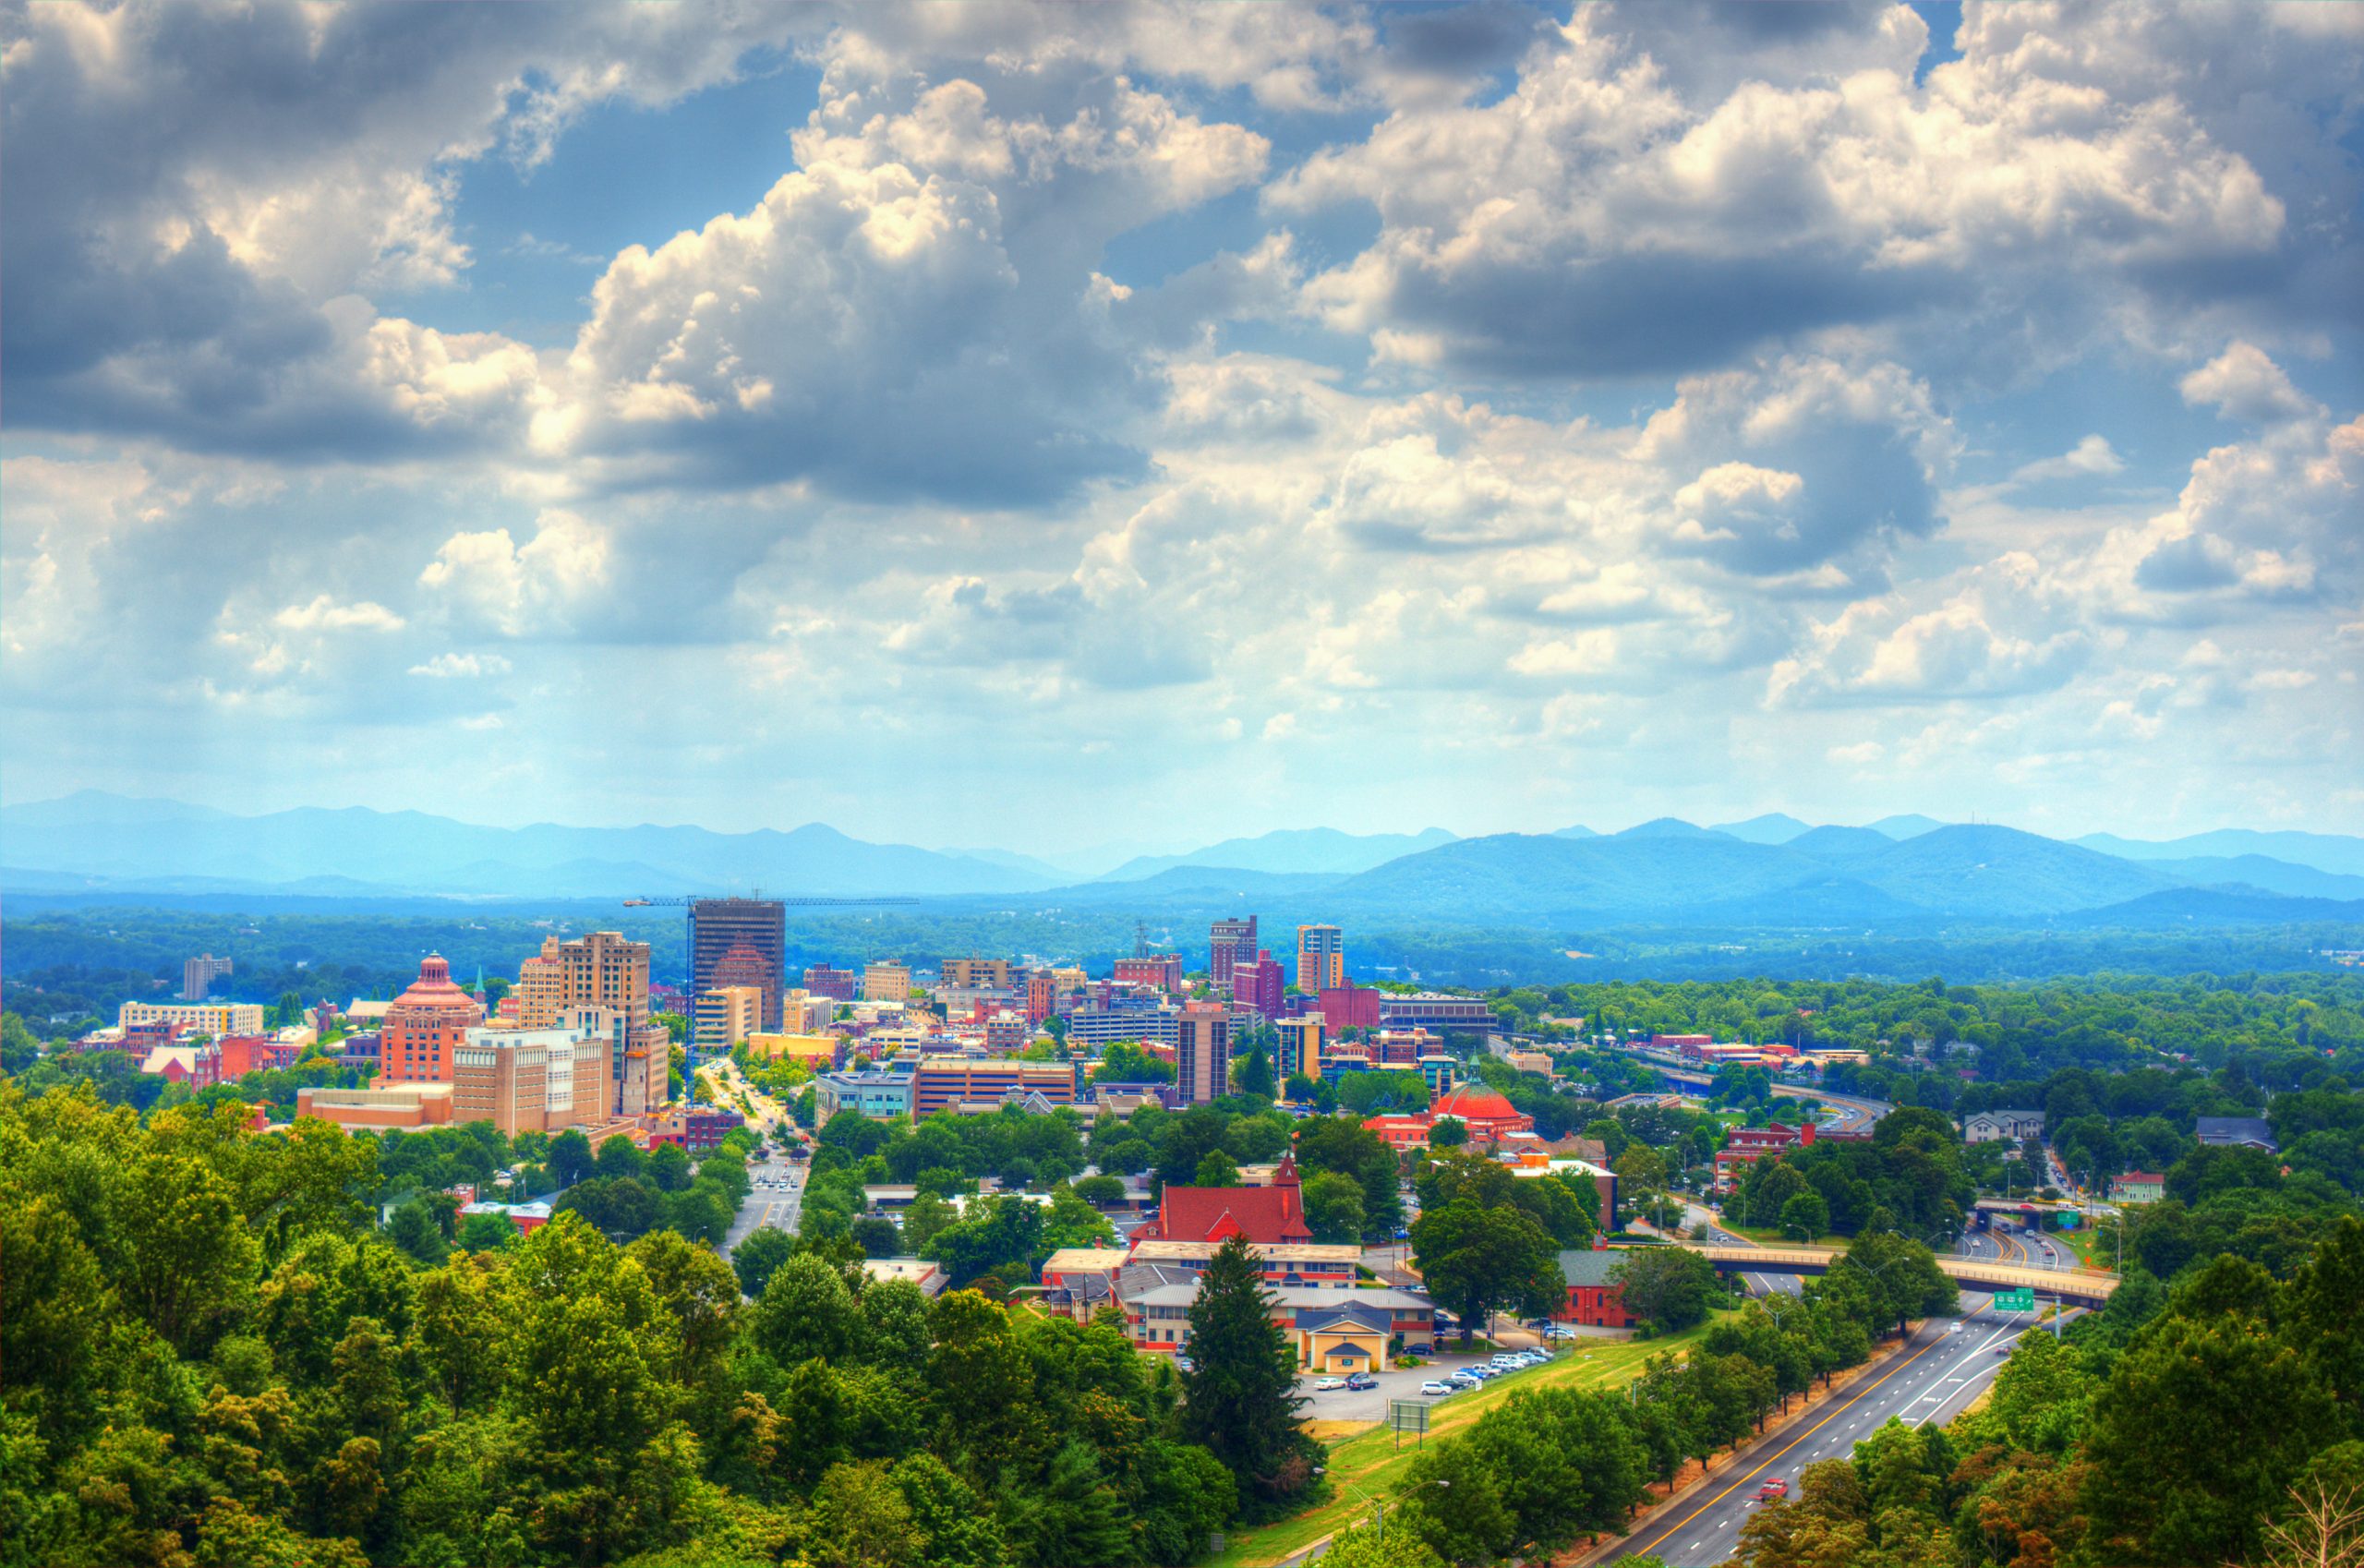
(1372, 1462)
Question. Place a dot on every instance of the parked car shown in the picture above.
(1436, 1387)
(1323, 1385)
(1361, 1381)
(1423, 1348)
(1771, 1490)
(1463, 1379)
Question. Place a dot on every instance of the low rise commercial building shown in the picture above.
(194, 1017)
(408, 1106)
(883, 1096)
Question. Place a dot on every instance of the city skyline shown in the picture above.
(958, 425)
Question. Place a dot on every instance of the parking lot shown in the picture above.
(1370, 1405)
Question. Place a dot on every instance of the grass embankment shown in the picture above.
(1770, 1235)
(1372, 1462)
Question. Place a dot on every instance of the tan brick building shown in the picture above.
(533, 1079)
(602, 970)
(425, 1025)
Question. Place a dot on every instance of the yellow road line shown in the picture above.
(1853, 1400)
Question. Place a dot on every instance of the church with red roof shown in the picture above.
(1273, 1215)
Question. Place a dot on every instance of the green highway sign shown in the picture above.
(2021, 1300)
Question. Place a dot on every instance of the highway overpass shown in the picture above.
(2081, 1286)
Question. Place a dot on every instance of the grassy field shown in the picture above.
(1372, 1462)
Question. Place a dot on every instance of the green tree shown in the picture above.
(1217, 1169)
(1333, 1208)
(1805, 1217)
(571, 1159)
(1479, 1260)
(1239, 1396)
(927, 1217)
(669, 1167)
(1449, 1133)
(862, 1519)
(756, 1257)
(1255, 1074)
(1670, 1287)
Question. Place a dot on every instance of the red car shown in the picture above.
(1772, 1490)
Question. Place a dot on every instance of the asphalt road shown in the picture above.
(1945, 1368)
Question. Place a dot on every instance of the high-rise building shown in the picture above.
(199, 974)
(978, 973)
(1300, 1045)
(719, 927)
(535, 1079)
(726, 1014)
(743, 968)
(603, 969)
(1227, 942)
(1202, 1053)
(1041, 996)
(837, 984)
(1259, 983)
(425, 1026)
(1321, 958)
(884, 981)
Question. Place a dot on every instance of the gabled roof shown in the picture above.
(1209, 1214)
(1312, 1319)
(1580, 1267)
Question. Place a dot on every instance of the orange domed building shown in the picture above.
(1489, 1114)
(425, 1025)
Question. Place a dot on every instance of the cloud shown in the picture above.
(2242, 383)
(459, 666)
(1627, 209)
(486, 579)
(2090, 458)
(324, 614)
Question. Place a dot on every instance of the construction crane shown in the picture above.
(689, 926)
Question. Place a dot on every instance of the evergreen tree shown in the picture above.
(1240, 1397)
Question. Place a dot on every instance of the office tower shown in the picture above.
(425, 1025)
(1202, 1053)
(884, 981)
(975, 973)
(1228, 941)
(1321, 958)
(719, 926)
(1260, 985)
(199, 974)
(602, 970)
(1300, 1045)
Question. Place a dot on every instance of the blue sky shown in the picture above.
(1139, 425)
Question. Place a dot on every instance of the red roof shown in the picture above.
(1475, 1102)
(1266, 1215)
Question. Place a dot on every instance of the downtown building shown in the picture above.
(536, 1079)
(602, 970)
(425, 1026)
(1321, 958)
(750, 936)
(1202, 1053)
(1228, 942)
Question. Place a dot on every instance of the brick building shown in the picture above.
(425, 1025)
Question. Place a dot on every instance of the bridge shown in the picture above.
(2028, 1206)
(2082, 1286)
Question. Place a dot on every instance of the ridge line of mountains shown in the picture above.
(1770, 870)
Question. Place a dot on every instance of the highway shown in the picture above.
(1942, 1369)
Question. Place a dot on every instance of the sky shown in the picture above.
(1038, 426)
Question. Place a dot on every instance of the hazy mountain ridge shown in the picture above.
(1661, 872)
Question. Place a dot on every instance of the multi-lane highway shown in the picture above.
(1935, 1374)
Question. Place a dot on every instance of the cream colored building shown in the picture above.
(602, 970)
(800, 1012)
(726, 1014)
(982, 973)
(886, 982)
(198, 1017)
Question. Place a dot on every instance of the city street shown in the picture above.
(1943, 1369)
(778, 1200)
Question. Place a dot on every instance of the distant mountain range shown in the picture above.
(1772, 871)
(1292, 849)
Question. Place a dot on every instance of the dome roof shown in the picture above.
(433, 991)
(1475, 1102)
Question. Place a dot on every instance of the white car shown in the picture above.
(1326, 1384)
(1436, 1389)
